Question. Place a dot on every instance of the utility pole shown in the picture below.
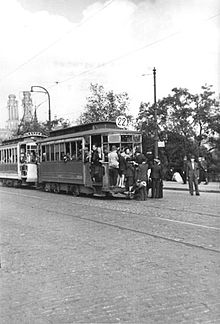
(48, 95)
(155, 117)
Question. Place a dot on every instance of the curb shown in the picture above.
(184, 189)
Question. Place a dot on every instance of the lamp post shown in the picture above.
(44, 91)
(155, 116)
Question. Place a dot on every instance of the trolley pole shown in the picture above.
(155, 117)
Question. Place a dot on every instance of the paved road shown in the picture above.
(71, 259)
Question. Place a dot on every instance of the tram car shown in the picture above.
(65, 163)
(18, 160)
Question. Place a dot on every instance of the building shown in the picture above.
(13, 116)
(27, 105)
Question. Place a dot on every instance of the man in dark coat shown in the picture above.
(192, 173)
(156, 176)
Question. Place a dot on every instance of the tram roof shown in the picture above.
(83, 127)
(31, 136)
(87, 129)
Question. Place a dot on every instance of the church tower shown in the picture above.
(27, 105)
(13, 118)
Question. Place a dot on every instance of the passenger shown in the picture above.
(156, 177)
(96, 166)
(141, 190)
(122, 169)
(139, 157)
(113, 166)
(67, 157)
(86, 154)
(129, 175)
(105, 153)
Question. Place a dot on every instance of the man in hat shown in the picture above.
(192, 173)
(156, 177)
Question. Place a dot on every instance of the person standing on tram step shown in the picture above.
(113, 166)
(95, 163)
(192, 173)
(157, 179)
(121, 169)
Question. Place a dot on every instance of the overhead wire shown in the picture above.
(128, 54)
(57, 40)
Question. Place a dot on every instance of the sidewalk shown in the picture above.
(173, 185)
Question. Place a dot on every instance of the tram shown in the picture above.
(65, 165)
(18, 160)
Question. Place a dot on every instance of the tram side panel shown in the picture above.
(69, 176)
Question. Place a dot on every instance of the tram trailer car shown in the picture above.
(64, 163)
(18, 160)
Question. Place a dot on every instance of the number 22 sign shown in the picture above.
(121, 121)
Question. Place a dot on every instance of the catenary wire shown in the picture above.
(57, 40)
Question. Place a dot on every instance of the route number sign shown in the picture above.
(121, 121)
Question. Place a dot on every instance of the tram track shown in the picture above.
(124, 227)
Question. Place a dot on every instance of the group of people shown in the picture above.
(128, 171)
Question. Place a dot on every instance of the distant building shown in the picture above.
(27, 105)
(13, 117)
(5, 133)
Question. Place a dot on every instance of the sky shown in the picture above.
(65, 45)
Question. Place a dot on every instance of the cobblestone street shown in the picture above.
(76, 260)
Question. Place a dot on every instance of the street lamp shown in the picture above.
(44, 91)
(155, 116)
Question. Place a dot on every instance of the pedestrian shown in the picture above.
(192, 172)
(142, 181)
(157, 179)
(113, 166)
(203, 175)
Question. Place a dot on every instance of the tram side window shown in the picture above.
(43, 156)
(16, 155)
(13, 155)
(79, 150)
(22, 153)
(3, 156)
(62, 151)
(9, 156)
(57, 152)
(52, 152)
(73, 150)
(47, 153)
(67, 147)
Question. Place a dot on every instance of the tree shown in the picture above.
(206, 116)
(185, 121)
(104, 106)
(43, 127)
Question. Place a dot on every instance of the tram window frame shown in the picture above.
(51, 152)
(126, 138)
(73, 148)
(62, 151)
(47, 151)
(79, 148)
(56, 151)
(12, 155)
(16, 155)
(43, 153)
